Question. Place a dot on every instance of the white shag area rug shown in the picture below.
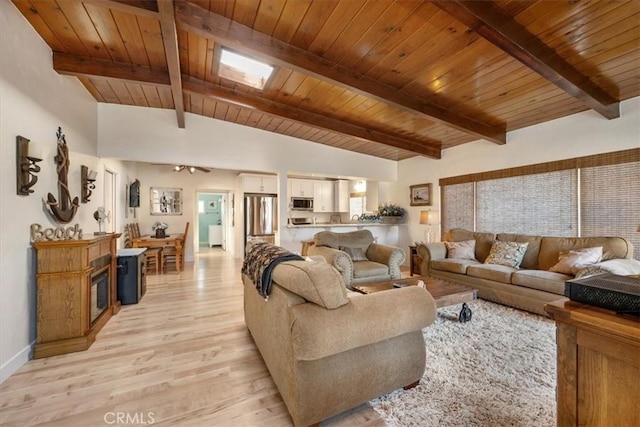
(499, 369)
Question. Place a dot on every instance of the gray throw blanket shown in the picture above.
(260, 261)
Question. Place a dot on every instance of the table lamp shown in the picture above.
(428, 218)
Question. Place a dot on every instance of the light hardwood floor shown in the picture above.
(182, 356)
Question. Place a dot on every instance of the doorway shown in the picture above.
(212, 223)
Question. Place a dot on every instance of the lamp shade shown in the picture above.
(429, 217)
(424, 217)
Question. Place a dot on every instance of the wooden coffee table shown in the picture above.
(444, 293)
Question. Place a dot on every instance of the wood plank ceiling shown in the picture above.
(392, 79)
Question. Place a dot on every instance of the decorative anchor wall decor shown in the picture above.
(65, 210)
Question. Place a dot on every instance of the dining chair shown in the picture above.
(174, 255)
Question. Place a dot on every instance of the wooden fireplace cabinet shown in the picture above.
(68, 313)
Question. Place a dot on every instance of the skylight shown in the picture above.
(244, 70)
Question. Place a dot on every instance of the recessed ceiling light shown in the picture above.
(243, 69)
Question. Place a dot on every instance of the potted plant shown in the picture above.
(391, 213)
(159, 228)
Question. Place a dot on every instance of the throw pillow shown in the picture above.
(461, 250)
(572, 261)
(356, 253)
(507, 253)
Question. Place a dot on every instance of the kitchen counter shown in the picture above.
(342, 225)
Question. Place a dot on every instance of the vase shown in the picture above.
(160, 233)
(392, 219)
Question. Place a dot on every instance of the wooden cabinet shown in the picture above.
(598, 366)
(260, 184)
(301, 188)
(323, 196)
(341, 195)
(76, 292)
(415, 261)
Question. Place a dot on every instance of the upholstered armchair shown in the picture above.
(357, 257)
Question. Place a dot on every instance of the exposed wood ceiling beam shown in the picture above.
(209, 25)
(102, 69)
(506, 33)
(170, 39)
(308, 118)
(134, 7)
(92, 67)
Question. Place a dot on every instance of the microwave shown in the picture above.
(301, 204)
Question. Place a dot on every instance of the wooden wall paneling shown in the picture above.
(196, 103)
(212, 61)
(325, 95)
(224, 8)
(86, 82)
(105, 90)
(122, 92)
(268, 15)
(313, 21)
(391, 21)
(221, 110)
(276, 81)
(209, 107)
(433, 49)
(151, 34)
(131, 37)
(345, 42)
(273, 124)
(395, 37)
(289, 21)
(197, 56)
(84, 28)
(301, 94)
(137, 94)
(108, 31)
(60, 26)
(413, 43)
(254, 118)
(289, 87)
(232, 113)
(152, 96)
(334, 25)
(38, 23)
(183, 50)
(244, 11)
(166, 98)
(243, 116)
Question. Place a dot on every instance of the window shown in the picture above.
(244, 70)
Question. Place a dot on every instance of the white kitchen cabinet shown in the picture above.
(301, 187)
(341, 195)
(260, 184)
(215, 235)
(323, 196)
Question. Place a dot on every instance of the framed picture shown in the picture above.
(211, 206)
(420, 195)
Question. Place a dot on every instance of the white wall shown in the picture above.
(577, 135)
(34, 101)
(216, 181)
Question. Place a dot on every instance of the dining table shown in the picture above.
(172, 240)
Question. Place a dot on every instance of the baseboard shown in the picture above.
(16, 362)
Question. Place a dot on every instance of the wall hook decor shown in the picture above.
(26, 167)
(66, 208)
(87, 183)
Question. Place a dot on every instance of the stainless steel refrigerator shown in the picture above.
(260, 217)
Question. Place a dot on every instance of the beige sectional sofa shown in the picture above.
(329, 349)
(532, 285)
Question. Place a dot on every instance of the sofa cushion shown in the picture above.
(530, 260)
(627, 267)
(507, 253)
(495, 272)
(453, 265)
(572, 261)
(483, 240)
(317, 282)
(612, 247)
(369, 269)
(465, 249)
(541, 280)
(356, 253)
